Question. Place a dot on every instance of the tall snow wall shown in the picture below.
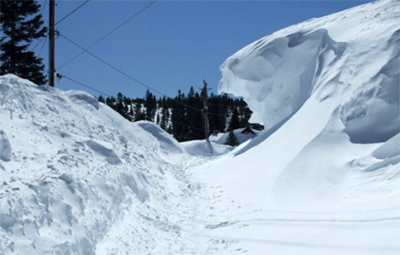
(355, 51)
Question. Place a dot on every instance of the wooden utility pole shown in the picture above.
(52, 68)
(205, 106)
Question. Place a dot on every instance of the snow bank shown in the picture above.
(327, 91)
(204, 148)
(355, 50)
(275, 77)
(324, 176)
(72, 170)
(168, 146)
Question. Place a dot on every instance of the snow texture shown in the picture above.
(5, 147)
(323, 178)
(358, 54)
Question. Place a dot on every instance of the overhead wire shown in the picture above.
(44, 7)
(110, 65)
(41, 49)
(110, 32)
(38, 42)
(84, 85)
(122, 72)
(105, 94)
(70, 13)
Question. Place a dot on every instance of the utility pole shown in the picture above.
(52, 68)
(205, 106)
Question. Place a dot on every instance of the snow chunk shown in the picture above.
(167, 142)
(5, 147)
(104, 149)
(83, 97)
(373, 114)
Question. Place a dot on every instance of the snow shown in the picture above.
(5, 147)
(72, 170)
(278, 73)
(220, 138)
(323, 178)
(168, 146)
(205, 148)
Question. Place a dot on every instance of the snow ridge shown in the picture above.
(72, 169)
(355, 50)
(276, 77)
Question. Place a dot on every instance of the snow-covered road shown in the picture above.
(323, 178)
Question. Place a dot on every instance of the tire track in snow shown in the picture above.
(261, 221)
(380, 249)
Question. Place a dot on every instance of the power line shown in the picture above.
(105, 94)
(41, 40)
(110, 65)
(109, 33)
(122, 72)
(41, 49)
(74, 10)
(44, 6)
(131, 77)
(84, 85)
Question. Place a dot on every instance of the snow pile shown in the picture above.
(324, 177)
(205, 148)
(168, 146)
(77, 178)
(358, 54)
(327, 91)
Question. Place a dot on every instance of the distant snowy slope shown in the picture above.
(77, 178)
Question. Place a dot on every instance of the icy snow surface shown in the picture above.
(323, 178)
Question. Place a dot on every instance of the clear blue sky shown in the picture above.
(171, 45)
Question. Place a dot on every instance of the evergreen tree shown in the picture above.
(235, 122)
(194, 116)
(232, 139)
(101, 99)
(138, 112)
(151, 104)
(179, 128)
(163, 121)
(21, 24)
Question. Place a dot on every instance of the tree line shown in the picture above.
(183, 115)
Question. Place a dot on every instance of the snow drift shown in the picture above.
(324, 178)
(277, 74)
(327, 92)
(328, 84)
(73, 172)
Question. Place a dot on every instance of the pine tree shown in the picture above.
(235, 122)
(138, 112)
(232, 139)
(21, 24)
(101, 99)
